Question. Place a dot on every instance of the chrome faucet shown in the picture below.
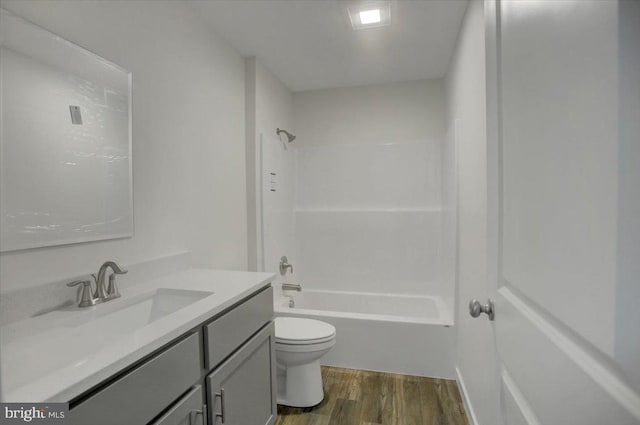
(291, 287)
(101, 294)
(111, 291)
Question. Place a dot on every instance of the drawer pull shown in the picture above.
(221, 414)
(193, 415)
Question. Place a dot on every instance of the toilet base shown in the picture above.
(300, 386)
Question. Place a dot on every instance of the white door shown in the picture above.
(563, 108)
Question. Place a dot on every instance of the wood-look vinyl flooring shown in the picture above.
(361, 397)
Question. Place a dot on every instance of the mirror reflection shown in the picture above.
(66, 141)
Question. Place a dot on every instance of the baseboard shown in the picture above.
(465, 399)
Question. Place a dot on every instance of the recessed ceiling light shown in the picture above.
(371, 14)
(368, 17)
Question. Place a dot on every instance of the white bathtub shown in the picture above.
(410, 334)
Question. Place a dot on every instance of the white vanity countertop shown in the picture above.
(56, 356)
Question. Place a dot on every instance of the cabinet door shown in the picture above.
(242, 391)
(189, 410)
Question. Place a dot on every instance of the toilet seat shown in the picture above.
(304, 348)
(299, 331)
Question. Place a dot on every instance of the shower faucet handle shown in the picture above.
(284, 265)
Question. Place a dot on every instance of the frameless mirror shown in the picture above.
(65, 144)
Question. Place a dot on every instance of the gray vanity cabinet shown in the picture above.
(221, 372)
(242, 390)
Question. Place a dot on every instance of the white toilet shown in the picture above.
(300, 343)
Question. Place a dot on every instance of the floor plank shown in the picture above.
(377, 390)
(346, 412)
(360, 397)
(432, 412)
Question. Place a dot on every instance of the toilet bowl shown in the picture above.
(300, 343)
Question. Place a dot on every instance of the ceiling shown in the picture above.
(309, 44)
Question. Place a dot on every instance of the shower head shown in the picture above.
(290, 137)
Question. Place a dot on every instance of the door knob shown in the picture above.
(475, 308)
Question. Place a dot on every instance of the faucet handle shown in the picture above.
(284, 265)
(112, 289)
(86, 300)
(78, 282)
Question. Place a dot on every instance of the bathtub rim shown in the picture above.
(444, 317)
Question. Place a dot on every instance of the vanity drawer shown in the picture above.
(144, 392)
(189, 410)
(228, 332)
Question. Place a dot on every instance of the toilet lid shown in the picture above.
(296, 330)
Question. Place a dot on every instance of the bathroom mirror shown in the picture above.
(65, 146)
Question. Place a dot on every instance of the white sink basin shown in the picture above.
(63, 337)
(137, 312)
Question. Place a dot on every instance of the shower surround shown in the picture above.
(368, 190)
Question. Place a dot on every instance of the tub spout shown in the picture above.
(291, 287)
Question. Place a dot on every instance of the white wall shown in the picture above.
(411, 111)
(188, 137)
(368, 202)
(269, 106)
(466, 119)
